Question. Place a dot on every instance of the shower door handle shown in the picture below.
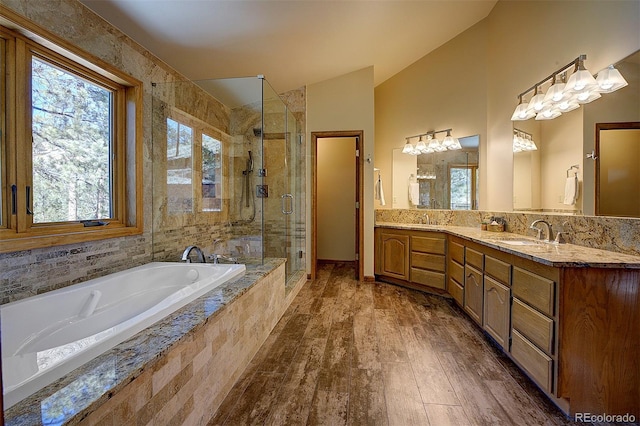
(284, 202)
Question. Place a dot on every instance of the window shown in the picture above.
(70, 149)
(71, 146)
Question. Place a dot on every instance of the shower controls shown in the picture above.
(262, 172)
(262, 191)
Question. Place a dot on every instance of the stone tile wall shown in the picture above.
(26, 273)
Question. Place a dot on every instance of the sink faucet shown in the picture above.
(548, 226)
(425, 219)
(187, 252)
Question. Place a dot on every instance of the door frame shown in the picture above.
(359, 184)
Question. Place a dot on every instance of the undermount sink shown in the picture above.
(515, 241)
(520, 242)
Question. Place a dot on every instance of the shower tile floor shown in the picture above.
(360, 353)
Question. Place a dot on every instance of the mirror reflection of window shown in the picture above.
(211, 174)
(463, 186)
(179, 166)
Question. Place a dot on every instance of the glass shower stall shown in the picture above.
(228, 172)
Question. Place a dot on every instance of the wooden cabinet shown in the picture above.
(455, 265)
(497, 299)
(473, 293)
(474, 284)
(413, 258)
(394, 258)
(496, 316)
(574, 330)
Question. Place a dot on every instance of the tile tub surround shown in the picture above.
(621, 235)
(176, 371)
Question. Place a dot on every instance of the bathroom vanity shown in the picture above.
(567, 315)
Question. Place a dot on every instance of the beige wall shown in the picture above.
(336, 198)
(561, 148)
(517, 45)
(445, 89)
(346, 103)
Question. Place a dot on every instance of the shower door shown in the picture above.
(281, 208)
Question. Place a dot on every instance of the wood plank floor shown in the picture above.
(355, 353)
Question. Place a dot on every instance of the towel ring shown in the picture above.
(575, 166)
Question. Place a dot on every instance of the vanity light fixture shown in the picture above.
(522, 112)
(408, 148)
(523, 141)
(561, 97)
(432, 144)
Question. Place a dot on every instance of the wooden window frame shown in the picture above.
(24, 39)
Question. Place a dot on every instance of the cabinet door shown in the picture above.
(395, 255)
(496, 311)
(473, 293)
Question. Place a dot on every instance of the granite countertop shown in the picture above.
(80, 392)
(557, 255)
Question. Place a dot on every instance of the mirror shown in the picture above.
(440, 180)
(565, 148)
(617, 169)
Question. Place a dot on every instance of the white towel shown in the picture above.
(571, 190)
(414, 193)
(379, 192)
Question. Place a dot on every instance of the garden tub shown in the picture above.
(45, 337)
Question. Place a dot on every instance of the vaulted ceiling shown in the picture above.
(292, 43)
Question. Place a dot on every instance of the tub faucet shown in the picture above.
(199, 254)
(547, 225)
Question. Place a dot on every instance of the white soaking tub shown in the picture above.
(47, 336)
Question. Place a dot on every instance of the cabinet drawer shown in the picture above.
(434, 262)
(496, 311)
(456, 271)
(533, 360)
(498, 269)
(532, 324)
(456, 252)
(430, 278)
(456, 291)
(428, 245)
(537, 291)
(474, 258)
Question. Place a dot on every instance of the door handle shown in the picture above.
(284, 202)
